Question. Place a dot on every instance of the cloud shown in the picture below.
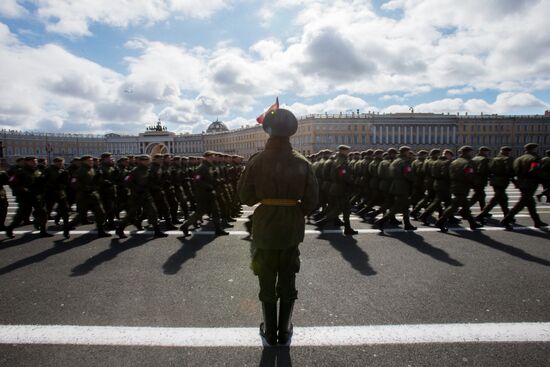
(505, 103)
(11, 9)
(73, 18)
(342, 103)
(464, 90)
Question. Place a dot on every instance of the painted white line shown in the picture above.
(307, 231)
(249, 337)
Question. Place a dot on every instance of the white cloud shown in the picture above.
(73, 18)
(342, 103)
(505, 103)
(11, 9)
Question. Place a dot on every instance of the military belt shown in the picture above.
(279, 202)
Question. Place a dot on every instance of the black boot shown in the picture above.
(407, 221)
(101, 232)
(442, 225)
(380, 223)
(44, 233)
(424, 219)
(66, 231)
(185, 230)
(268, 328)
(169, 226)
(220, 232)
(540, 224)
(348, 231)
(285, 324)
(120, 232)
(9, 232)
(158, 233)
(473, 224)
(507, 223)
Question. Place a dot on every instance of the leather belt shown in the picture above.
(279, 202)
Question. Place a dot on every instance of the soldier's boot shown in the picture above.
(168, 225)
(101, 232)
(394, 221)
(56, 219)
(285, 327)
(454, 220)
(473, 224)
(158, 233)
(225, 224)
(220, 232)
(110, 225)
(9, 232)
(407, 223)
(120, 232)
(268, 328)
(321, 222)
(442, 224)
(424, 218)
(381, 222)
(338, 222)
(66, 230)
(43, 232)
(175, 219)
(185, 229)
(348, 231)
(507, 223)
(414, 214)
(138, 225)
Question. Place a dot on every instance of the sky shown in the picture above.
(98, 66)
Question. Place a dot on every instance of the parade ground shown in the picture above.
(421, 298)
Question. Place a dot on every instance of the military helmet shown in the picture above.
(280, 122)
(465, 148)
(530, 146)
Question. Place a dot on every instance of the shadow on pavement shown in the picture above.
(275, 357)
(188, 250)
(417, 242)
(59, 247)
(482, 238)
(115, 248)
(25, 238)
(350, 251)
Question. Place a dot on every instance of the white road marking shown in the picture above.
(249, 337)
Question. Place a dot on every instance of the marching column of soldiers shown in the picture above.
(422, 184)
(162, 187)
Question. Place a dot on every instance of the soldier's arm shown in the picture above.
(311, 192)
(245, 186)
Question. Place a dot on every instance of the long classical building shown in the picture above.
(315, 132)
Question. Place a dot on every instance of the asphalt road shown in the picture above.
(399, 278)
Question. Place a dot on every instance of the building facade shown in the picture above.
(315, 132)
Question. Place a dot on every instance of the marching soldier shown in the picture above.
(418, 189)
(28, 188)
(339, 191)
(461, 173)
(87, 197)
(402, 180)
(481, 169)
(156, 185)
(428, 183)
(141, 199)
(283, 181)
(168, 187)
(206, 196)
(106, 176)
(4, 204)
(501, 171)
(56, 179)
(441, 185)
(545, 175)
(528, 176)
(122, 191)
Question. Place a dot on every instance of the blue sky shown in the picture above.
(99, 67)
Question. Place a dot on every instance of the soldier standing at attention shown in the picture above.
(501, 171)
(283, 181)
(461, 173)
(140, 199)
(481, 169)
(205, 195)
(528, 172)
(87, 197)
(28, 186)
